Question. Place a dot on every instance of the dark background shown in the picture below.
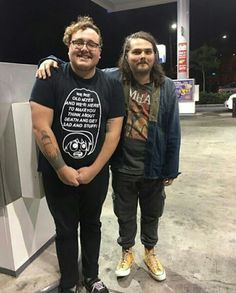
(30, 30)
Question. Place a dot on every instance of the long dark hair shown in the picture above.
(156, 75)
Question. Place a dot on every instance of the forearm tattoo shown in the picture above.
(52, 153)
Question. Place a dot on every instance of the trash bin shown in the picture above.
(234, 107)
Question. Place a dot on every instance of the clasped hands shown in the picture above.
(73, 177)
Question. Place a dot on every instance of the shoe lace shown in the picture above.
(97, 286)
(153, 262)
(125, 255)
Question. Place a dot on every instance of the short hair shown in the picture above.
(82, 23)
(157, 74)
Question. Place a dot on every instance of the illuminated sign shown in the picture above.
(182, 57)
(185, 89)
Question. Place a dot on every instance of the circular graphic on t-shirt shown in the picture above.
(78, 145)
(81, 117)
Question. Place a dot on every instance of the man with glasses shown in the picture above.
(77, 117)
(147, 158)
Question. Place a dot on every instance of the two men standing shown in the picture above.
(147, 157)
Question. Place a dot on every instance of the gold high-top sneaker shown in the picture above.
(154, 266)
(124, 266)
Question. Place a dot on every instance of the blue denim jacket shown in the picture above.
(163, 142)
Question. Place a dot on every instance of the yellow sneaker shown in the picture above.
(154, 266)
(123, 268)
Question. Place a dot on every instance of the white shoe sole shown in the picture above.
(159, 278)
(122, 273)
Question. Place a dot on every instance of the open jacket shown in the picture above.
(163, 142)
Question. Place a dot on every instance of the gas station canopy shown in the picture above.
(118, 5)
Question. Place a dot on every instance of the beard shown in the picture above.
(141, 68)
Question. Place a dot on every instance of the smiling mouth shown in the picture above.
(84, 56)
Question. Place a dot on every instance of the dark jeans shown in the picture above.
(128, 190)
(69, 207)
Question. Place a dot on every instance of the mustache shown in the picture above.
(143, 62)
(81, 54)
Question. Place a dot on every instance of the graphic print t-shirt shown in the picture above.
(81, 110)
(136, 129)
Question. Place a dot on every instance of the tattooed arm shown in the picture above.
(113, 130)
(42, 120)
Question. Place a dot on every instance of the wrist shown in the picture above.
(57, 161)
(61, 169)
(94, 169)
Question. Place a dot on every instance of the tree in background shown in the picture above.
(203, 60)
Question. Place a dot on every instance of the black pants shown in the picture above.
(128, 190)
(69, 207)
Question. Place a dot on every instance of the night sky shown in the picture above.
(30, 30)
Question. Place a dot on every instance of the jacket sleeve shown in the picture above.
(58, 60)
(173, 138)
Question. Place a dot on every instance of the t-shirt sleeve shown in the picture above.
(117, 100)
(43, 92)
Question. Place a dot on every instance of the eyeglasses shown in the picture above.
(80, 43)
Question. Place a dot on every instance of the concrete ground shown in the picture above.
(197, 236)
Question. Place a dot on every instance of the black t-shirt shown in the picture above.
(81, 110)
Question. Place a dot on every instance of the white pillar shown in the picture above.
(183, 39)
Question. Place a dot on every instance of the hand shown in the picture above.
(68, 176)
(44, 69)
(167, 181)
(86, 174)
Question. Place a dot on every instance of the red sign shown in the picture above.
(182, 57)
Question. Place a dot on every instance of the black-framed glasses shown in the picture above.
(80, 43)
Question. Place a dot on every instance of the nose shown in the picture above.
(143, 55)
(84, 46)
